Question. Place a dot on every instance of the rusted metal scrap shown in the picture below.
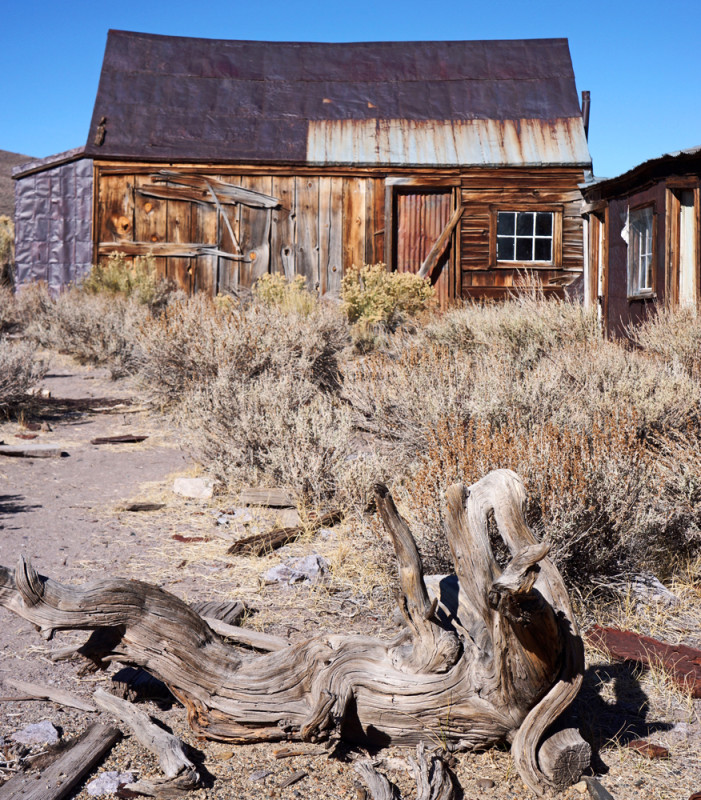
(681, 661)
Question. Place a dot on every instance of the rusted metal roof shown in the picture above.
(485, 102)
(480, 142)
(678, 162)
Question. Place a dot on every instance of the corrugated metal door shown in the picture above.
(420, 217)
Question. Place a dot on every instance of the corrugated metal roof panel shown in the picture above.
(177, 98)
(482, 143)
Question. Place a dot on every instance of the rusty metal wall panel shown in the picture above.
(53, 241)
(177, 98)
(420, 218)
(484, 143)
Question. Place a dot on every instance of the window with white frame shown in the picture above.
(525, 236)
(641, 251)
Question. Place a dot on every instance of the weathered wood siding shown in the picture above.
(323, 225)
(327, 222)
(484, 191)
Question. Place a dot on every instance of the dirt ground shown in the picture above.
(68, 516)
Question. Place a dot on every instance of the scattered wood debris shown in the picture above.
(189, 539)
(127, 438)
(180, 773)
(143, 507)
(31, 451)
(681, 661)
(291, 752)
(37, 692)
(273, 498)
(294, 778)
(260, 543)
(256, 639)
(228, 611)
(60, 777)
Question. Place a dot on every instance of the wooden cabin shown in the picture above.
(229, 159)
(642, 236)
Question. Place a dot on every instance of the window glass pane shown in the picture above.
(543, 223)
(640, 247)
(543, 250)
(505, 249)
(524, 223)
(505, 223)
(524, 249)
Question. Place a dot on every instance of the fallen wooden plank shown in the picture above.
(50, 693)
(180, 773)
(229, 611)
(127, 438)
(275, 498)
(256, 639)
(58, 780)
(143, 507)
(260, 543)
(31, 451)
(247, 197)
(682, 662)
(440, 244)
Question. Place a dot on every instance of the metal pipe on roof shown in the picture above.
(586, 105)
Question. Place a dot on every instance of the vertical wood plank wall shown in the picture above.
(328, 222)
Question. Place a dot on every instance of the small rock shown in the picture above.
(485, 783)
(197, 488)
(309, 569)
(640, 782)
(109, 783)
(649, 589)
(259, 775)
(596, 790)
(233, 515)
(225, 755)
(580, 787)
(37, 733)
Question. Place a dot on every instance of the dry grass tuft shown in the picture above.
(19, 372)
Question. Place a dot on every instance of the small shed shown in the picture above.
(229, 159)
(642, 242)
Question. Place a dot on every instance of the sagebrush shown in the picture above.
(271, 392)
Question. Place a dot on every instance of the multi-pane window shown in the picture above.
(525, 236)
(640, 251)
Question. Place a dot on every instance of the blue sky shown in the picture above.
(640, 60)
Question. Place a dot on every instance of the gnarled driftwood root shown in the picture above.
(487, 655)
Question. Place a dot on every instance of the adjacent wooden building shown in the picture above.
(643, 245)
(229, 159)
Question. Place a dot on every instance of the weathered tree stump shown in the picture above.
(487, 656)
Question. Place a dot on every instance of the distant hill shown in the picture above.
(7, 185)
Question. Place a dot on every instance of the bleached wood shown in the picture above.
(257, 639)
(563, 757)
(488, 656)
(180, 773)
(58, 780)
(50, 693)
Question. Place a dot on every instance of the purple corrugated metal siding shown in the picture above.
(53, 209)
